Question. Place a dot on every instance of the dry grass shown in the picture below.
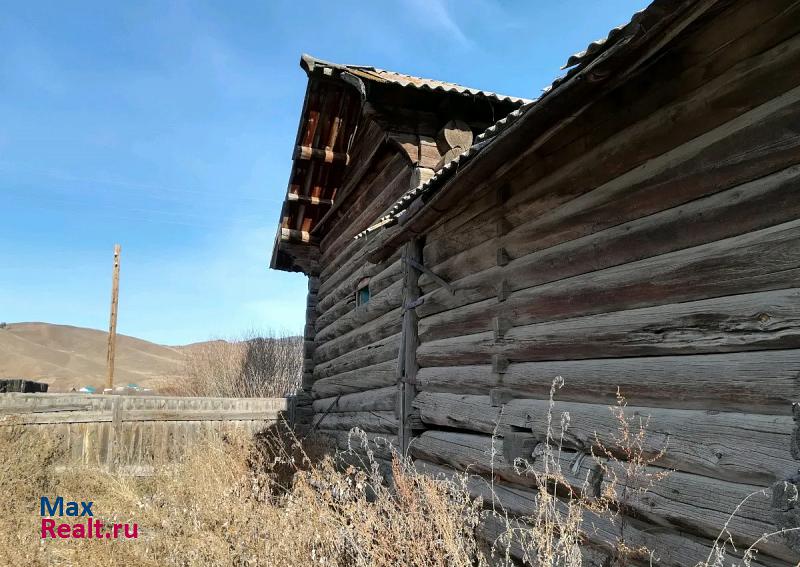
(255, 365)
(235, 500)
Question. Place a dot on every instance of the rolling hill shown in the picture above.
(69, 357)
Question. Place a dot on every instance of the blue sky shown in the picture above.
(168, 127)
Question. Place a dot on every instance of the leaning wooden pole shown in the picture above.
(112, 326)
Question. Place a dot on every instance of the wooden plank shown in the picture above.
(758, 321)
(758, 261)
(139, 415)
(695, 441)
(381, 399)
(763, 382)
(407, 357)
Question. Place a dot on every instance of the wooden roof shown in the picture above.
(334, 102)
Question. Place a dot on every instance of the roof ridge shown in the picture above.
(309, 63)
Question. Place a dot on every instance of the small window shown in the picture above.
(362, 292)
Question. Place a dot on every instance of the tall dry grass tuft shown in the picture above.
(255, 365)
(27, 470)
(233, 501)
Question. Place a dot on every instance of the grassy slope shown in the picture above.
(66, 357)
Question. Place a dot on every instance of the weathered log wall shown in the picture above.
(651, 245)
(351, 373)
(648, 244)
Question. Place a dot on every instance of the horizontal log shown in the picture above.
(323, 155)
(701, 505)
(331, 266)
(358, 380)
(338, 310)
(382, 399)
(383, 164)
(381, 276)
(766, 140)
(295, 236)
(600, 148)
(356, 316)
(342, 299)
(379, 194)
(795, 443)
(694, 441)
(370, 421)
(379, 351)
(518, 539)
(753, 206)
(370, 144)
(758, 261)
(380, 470)
(759, 321)
(484, 455)
(764, 381)
(338, 266)
(308, 199)
(376, 329)
(381, 445)
(669, 547)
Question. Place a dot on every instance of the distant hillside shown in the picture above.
(67, 357)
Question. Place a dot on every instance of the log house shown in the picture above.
(637, 226)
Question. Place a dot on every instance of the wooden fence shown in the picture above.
(133, 433)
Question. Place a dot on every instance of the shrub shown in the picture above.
(253, 366)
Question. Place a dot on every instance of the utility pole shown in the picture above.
(112, 327)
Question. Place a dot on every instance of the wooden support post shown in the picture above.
(114, 435)
(407, 358)
(112, 327)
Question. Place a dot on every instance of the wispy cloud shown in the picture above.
(436, 15)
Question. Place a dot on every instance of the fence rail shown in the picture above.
(133, 433)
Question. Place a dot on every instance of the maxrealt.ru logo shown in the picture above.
(82, 529)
